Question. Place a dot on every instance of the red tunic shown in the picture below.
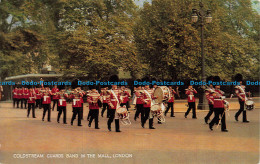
(105, 96)
(15, 93)
(38, 94)
(19, 94)
(31, 98)
(25, 93)
(240, 92)
(76, 101)
(218, 102)
(139, 97)
(171, 96)
(93, 100)
(147, 100)
(62, 100)
(124, 97)
(54, 92)
(191, 97)
(112, 100)
(46, 98)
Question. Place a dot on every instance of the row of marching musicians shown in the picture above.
(149, 102)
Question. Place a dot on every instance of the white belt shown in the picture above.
(113, 100)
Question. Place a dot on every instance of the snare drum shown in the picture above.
(122, 112)
(162, 94)
(156, 109)
(249, 104)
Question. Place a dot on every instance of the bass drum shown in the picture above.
(249, 104)
(162, 94)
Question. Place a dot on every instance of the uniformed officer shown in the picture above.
(241, 94)
(191, 101)
(46, 103)
(114, 103)
(209, 95)
(138, 102)
(147, 103)
(171, 102)
(76, 105)
(219, 109)
(104, 95)
(62, 106)
(31, 102)
(55, 98)
(15, 97)
(93, 101)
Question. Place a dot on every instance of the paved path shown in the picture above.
(179, 140)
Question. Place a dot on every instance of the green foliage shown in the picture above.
(94, 39)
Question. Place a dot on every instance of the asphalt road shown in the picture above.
(179, 140)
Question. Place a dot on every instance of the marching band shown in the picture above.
(148, 103)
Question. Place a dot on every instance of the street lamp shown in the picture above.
(203, 17)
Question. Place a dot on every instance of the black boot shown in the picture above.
(244, 117)
(117, 125)
(109, 125)
(151, 123)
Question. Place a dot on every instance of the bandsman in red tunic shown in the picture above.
(209, 95)
(77, 106)
(38, 98)
(55, 98)
(25, 95)
(15, 97)
(19, 96)
(46, 103)
(104, 95)
(62, 106)
(147, 99)
(31, 102)
(171, 101)
(190, 92)
(114, 103)
(241, 94)
(138, 101)
(94, 101)
(219, 109)
(124, 97)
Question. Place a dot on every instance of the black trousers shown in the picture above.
(81, 110)
(62, 109)
(17, 102)
(145, 114)
(23, 101)
(211, 110)
(31, 106)
(219, 112)
(55, 101)
(46, 108)
(94, 115)
(105, 106)
(111, 114)
(76, 111)
(170, 105)
(38, 103)
(193, 107)
(242, 109)
(139, 108)
(14, 101)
